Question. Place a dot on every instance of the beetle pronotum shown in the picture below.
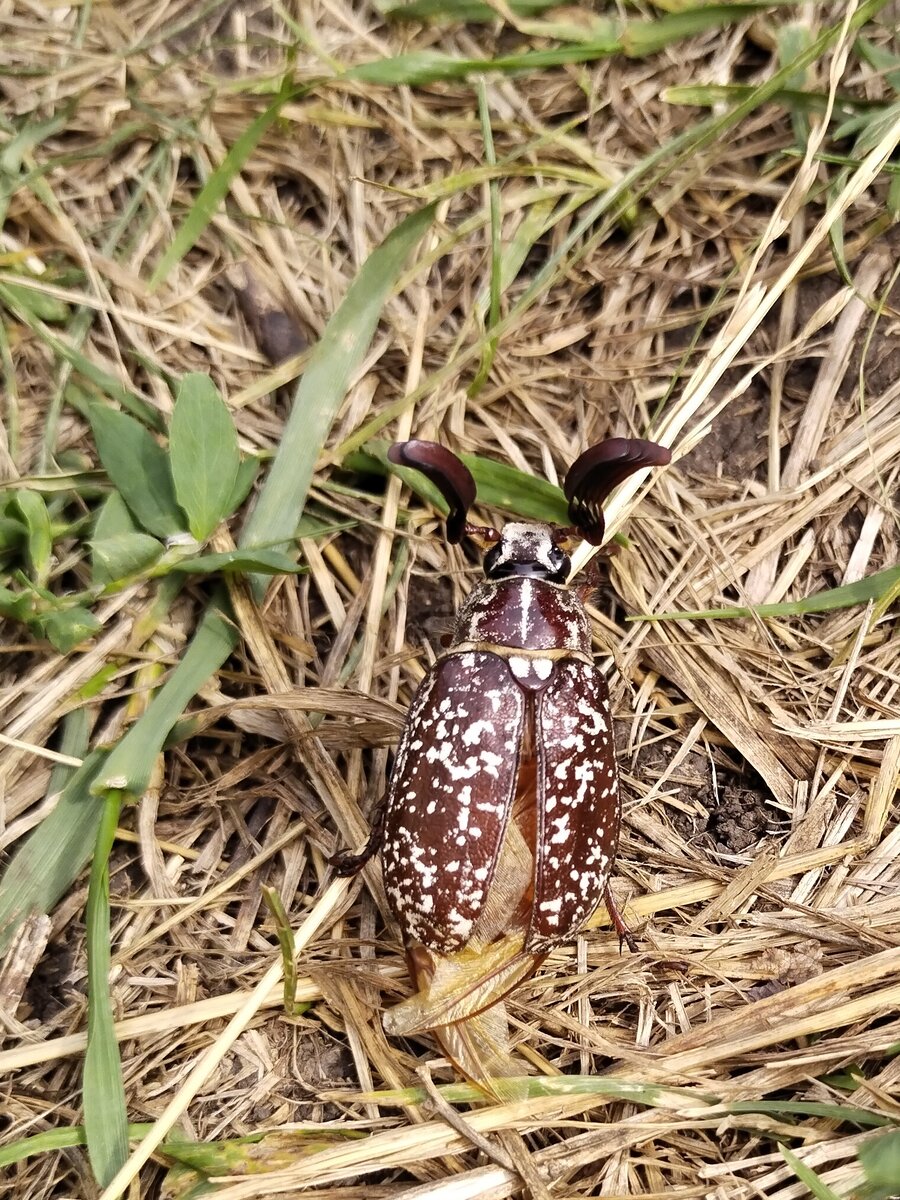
(501, 820)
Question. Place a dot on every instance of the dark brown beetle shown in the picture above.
(502, 816)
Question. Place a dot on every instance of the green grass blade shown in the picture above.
(203, 454)
(498, 485)
(53, 1140)
(217, 185)
(263, 562)
(531, 1086)
(808, 1108)
(493, 315)
(103, 1091)
(130, 763)
(458, 10)
(330, 369)
(819, 1189)
(610, 36)
(873, 587)
(44, 867)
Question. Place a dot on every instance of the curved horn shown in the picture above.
(450, 476)
(601, 468)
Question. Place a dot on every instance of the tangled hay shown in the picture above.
(759, 754)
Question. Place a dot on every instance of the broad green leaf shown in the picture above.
(244, 481)
(113, 517)
(39, 537)
(18, 606)
(12, 534)
(263, 562)
(46, 864)
(502, 486)
(203, 454)
(873, 587)
(139, 467)
(103, 1089)
(118, 548)
(880, 1160)
(66, 629)
(218, 184)
(122, 555)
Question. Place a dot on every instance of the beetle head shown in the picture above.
(533, 549)
(527, 550)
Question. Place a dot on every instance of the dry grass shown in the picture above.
(759, 757)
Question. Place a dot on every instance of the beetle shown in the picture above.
(501, 820)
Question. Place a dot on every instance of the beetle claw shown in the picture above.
(345, 863)
(626, 937)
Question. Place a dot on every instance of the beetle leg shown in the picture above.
(626, 937)
(345, 863)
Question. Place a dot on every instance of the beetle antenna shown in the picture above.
(450, 476)
(595, 473)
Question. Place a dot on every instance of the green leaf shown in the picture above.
(880, 1160)
(66, 629)
(873, 587)
(203, 454)
(122, 555)
(264, 562)
(218, 184)
(103, 1089)
(50, 859)
(139, 467)
(39, 536)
